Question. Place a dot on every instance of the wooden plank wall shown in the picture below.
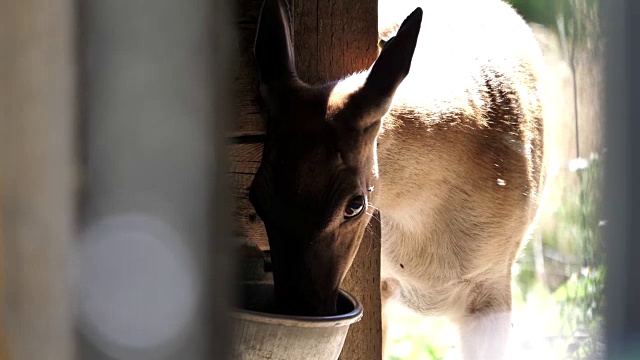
(364, 340)
(247, 132)
(333, 38)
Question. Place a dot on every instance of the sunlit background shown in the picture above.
(558, 278)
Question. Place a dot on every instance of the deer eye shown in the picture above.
(354, 207)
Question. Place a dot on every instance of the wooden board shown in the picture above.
(364, 339)
(334, 38)
(245, 159)
(248, 121)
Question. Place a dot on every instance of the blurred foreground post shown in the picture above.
(154, 255)
(622, 176)
(37, 118)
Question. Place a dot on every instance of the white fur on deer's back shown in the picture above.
(459, 38)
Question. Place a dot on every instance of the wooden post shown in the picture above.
(37, 115)
(364, 340)
(334, 38)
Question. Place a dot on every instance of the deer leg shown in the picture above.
(388, 289)
(486, 324)
(385, 320)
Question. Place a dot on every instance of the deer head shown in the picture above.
(319, 169)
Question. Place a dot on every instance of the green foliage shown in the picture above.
(581, 297)
(576, 237)
(419, 348)
(422, 350)
(576, 21)
(539, 11)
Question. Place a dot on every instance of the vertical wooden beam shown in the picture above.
(334, 38)
(364, 340)
(37, 113)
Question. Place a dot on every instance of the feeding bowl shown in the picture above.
(260, 334)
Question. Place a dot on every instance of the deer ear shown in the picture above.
(394, 61)
(273, 48)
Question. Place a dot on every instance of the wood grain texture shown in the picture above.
(249, 121)
(334, 38)
(245, 159)
(329, 45)
(364, 340)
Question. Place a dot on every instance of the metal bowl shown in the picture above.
(260, 334)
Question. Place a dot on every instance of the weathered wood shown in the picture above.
(364, 340)
(245, 159)
(37, 103)
(334, 38)
(327, 48)
(249, 121)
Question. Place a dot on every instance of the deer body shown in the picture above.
(461, 158)
(451, 154)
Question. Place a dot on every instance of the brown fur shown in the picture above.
(457, 164)
(461, 174)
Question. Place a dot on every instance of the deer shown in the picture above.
(443, 134)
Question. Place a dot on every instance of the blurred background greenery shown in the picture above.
(558, 278)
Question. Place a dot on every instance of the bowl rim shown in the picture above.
(345, 319)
